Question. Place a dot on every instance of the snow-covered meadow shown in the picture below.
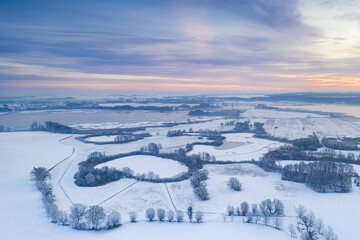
(140, 164)
(20, 151)
(238, 147)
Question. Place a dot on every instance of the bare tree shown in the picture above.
(199, 216)
(95, 215)
(320, 226)
(150, 214)
(62, 218)
(278, 207)
(230, 210)
(278, 223)
(329, 234)
(306, 224)
(238, 212)
(255, 212)
(170, 215)
(77, 214)
(161, 214)
(113, 220)
(244, 207)
(292, 231)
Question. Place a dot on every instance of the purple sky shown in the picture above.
(184, 46)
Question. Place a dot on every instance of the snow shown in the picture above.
(101, 139)
(165, 168)
(24, 215)
(239, 147)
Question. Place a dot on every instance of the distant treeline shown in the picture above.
(322, 176)
(53, 127)
(119, 138)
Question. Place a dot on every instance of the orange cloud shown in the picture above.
(336, 81)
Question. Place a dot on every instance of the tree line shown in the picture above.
(322, 176)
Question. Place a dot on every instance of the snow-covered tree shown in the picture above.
(179, 216)
(133, 216)
(40, 174)
(199, 216)
(234, 184)
(161, 214)
(278, 207)
(77, 214)
(278, 223)
(113, 220)
(170, 215)
(230, 210)
(244, 208)
(329, 234)
(150, 214)
(292, 231)
(306, 224)
(95, 215)
(62, 217)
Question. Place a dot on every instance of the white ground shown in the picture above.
(23, 215)
(239, 147)
(143, 164)
(102, 139)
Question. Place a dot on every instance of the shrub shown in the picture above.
(150, 214)
(161, 214)
(234, 184)
(40, 174)
(230, 210)
(132, 216)
(244, 207)
(199, 216)
(170, 215)
(113, 220)
(179, 216)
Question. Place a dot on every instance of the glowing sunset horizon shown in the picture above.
(185, 46)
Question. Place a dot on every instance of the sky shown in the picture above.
(131, 46)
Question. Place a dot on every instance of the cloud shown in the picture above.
(227, 44)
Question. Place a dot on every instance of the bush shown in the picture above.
(62, 218)
(40, 174)
(170, 215)
(230, 210)
(202, 192)
(244, 207)
(113, 220)
(199, 216)
(179, 216)
(161, 214)
(133, 216)
(234, 184)
(150, 214)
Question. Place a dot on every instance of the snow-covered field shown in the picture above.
(165, 168)
(25, 216)
(101, 139)
(239, 147)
